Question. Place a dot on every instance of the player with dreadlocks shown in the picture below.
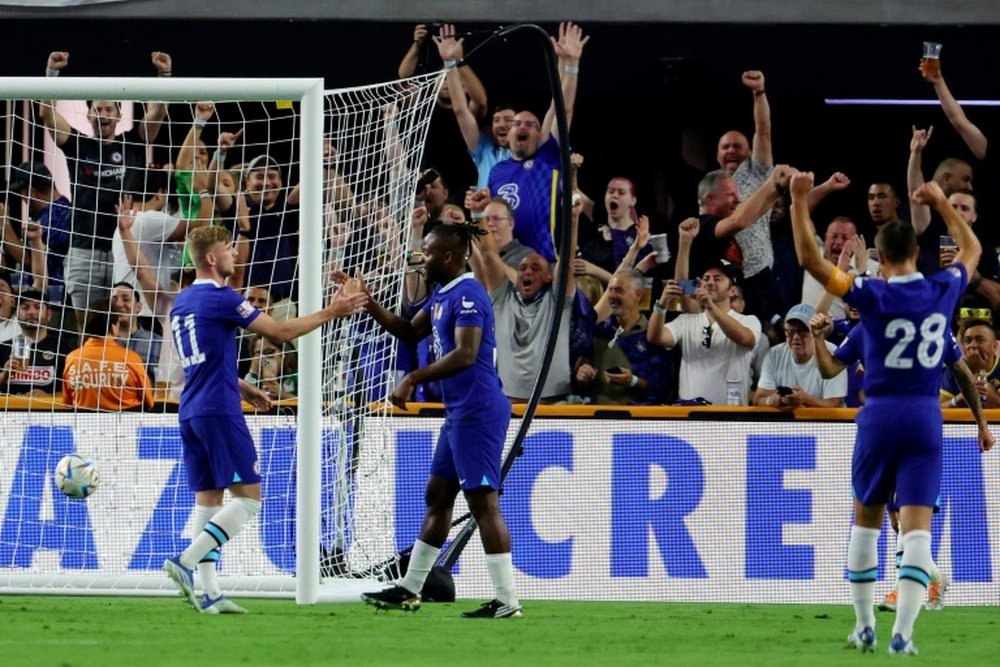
(467, 456)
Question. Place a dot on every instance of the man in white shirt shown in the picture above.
(790, 378)
(716, 344)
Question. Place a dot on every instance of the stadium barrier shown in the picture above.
(724, 505)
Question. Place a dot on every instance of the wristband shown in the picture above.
(660, 310)
(478, 215)
(204, 193)
(51, 72)
(164, 74)
(199, 122)
(219, 156)
(954, 401)
(758, 93)
(571, 69)
(450, 63)
(634, 381)
(770, 401)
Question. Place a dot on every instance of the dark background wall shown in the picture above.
(631, 111)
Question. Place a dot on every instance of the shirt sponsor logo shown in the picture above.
(468, 307)
(34, 375)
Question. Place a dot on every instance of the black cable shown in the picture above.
(454, 550)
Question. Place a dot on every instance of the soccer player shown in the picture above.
(467, 457)
(219, 453)
(906, 325)
(851, 350)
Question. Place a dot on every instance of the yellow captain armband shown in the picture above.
(839, 283)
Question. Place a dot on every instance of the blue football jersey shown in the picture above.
(527, 187)
(907, 330)
(852, 349)
(464, 303)
(203, 323)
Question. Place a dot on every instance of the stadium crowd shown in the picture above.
(714, 311)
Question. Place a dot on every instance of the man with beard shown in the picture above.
(717, 344)
(104, 167)
(32, 363)
(467, 456)
(525, 180)
(488, 146)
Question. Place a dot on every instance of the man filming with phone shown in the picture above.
(790, 378)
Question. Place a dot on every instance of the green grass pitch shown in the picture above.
(85, 631)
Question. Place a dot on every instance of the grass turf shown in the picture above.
(71, 631)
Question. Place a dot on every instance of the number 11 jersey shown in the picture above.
(204, 323)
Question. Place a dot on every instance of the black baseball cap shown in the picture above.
(729, 269)
(29, 174)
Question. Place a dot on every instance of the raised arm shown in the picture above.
(804, 233)
(754, 80)
(39, 261)
(409, 63)
(829, 366)
(969, 248)
(971, 135)
(569, 48)
(51, 118)
(152, 120)
(756, 205)
(603, 306)
(920, 215)
(450, 50)
(144, 274)
(203, 112)
(837, 182)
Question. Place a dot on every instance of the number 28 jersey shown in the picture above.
(907, 329)
(203, 323)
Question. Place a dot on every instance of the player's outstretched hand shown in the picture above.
(347, 302)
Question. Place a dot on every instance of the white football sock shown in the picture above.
(421, 561)
(862, 570)
(206, 568)
(501, 569)
(914, 576)
(223, 526)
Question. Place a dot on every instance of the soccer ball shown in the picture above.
(76, 476)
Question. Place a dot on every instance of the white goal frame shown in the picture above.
(309, 93)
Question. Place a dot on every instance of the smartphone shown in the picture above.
(784, 391)
(688, 286)
(947, 242)
(614, 370)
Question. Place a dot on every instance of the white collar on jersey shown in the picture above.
(206, 281)
(464, 276)
(908, 278)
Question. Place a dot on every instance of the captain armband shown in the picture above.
(839, 283)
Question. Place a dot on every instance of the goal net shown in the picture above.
(309, 182)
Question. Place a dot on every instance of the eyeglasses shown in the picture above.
(801, 333)
(524, 123)
(707, 340)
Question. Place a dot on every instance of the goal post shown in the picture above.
(336, 383)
